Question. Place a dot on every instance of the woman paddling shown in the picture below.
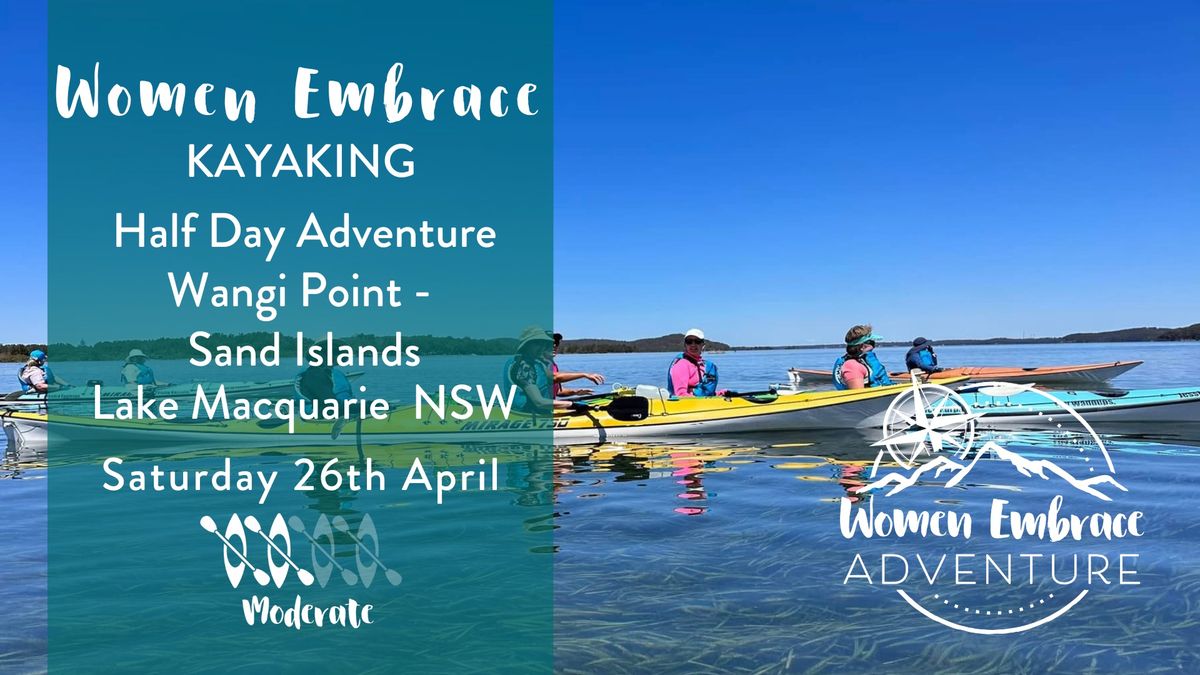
(859, 367)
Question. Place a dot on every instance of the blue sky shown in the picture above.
(23, 170)
(776, 172)
(951, 169)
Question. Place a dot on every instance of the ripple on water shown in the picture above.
(23, 573)
(741, 571)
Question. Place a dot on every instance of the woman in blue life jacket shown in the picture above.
(859, 367)
(36, 375)
(320, 383)
(529, 370)
(922, 357)
(324, 383)
(689, 374)
(33, 376)
(136, 371)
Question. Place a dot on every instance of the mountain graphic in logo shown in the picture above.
(897, 481)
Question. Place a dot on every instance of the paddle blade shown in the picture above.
(629, 408)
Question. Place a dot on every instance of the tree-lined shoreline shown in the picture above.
(178, 348)
(1146, 334)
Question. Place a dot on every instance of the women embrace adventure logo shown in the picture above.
(1016, 570)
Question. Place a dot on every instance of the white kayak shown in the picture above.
(24, 430)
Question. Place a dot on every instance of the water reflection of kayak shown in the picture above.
(1081, 375)
(664, 417)
(180, 392)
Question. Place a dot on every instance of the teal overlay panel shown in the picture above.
(152, 579)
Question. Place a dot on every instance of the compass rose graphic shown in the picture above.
(926, 420)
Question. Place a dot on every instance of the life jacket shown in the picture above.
(318, 384)
(921, 358)
(49, 373)
(145, 375)
(708, 377)
(520, 401)
(877, 375)
(25, 386)
(556, 385)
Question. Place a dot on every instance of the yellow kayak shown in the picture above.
(662, 417)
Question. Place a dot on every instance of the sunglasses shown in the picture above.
(693, 341)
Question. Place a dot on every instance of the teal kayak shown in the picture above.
(1020, 404)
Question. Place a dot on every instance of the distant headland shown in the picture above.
(672, 342)
(178, 348)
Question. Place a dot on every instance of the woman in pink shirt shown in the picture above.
(859, 367)
(690, 374)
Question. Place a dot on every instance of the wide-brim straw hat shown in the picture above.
(534, 334)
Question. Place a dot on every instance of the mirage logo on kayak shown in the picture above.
(984, 537)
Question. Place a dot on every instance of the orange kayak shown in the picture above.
(1087, 374)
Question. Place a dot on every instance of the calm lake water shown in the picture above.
(726, 556)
